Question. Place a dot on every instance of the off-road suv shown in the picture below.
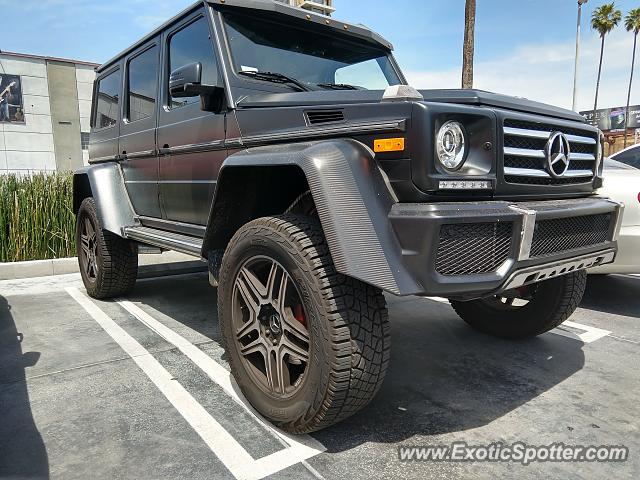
(286, 149)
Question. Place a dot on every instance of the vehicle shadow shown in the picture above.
(189, 299)
(22, 450)
(617, 294)
(444, 377)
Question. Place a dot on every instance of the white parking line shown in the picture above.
(590, 335)
(439, 299)
(235, 458)
(299, 448)
(223, 445)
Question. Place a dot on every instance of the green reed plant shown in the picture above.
(36, 217)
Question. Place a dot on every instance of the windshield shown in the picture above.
(610, 164)
(318, 61)
(630, 156)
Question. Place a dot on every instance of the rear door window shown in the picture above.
(143, 85)
(108, 100)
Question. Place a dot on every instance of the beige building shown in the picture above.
(45, 105)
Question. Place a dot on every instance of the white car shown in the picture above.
(629, 156)
(622, 184)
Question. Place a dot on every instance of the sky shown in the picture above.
(523, 47)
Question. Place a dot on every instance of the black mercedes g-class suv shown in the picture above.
(286, 149)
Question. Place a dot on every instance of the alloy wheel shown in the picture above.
(89, 248)
(270, 326)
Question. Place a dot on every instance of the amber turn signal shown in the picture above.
(388, 145)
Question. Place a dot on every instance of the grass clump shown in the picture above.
(36, 217)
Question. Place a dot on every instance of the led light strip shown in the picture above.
(465, 185)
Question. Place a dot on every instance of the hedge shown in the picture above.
(36, 217)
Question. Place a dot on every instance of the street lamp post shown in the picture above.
(575, 73)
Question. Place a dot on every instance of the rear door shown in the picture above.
(191, 141)
(138, 129)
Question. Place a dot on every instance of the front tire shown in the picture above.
(108, 263)
(548, 305)
(308, 346)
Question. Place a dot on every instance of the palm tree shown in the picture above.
(632, 24)
(604, 19)
(467, 51)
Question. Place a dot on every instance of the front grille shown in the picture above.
(566, 234)
(525, 160)
(473, 248)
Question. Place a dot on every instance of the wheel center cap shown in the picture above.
(274, 324)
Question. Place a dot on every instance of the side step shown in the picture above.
(167, 240)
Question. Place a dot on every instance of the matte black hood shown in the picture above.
(461, 97)
(480, 97)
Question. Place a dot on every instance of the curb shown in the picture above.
(156, 265)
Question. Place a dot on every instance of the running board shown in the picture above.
(167, 240)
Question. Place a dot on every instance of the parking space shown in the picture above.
(139, 388)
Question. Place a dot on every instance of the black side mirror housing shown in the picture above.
(186, 82)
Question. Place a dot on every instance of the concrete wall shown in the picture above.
(65, 116)
(54, 91)
(28, 147)
(85, 75)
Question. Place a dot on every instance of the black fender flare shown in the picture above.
(104, 182)
(353, 198)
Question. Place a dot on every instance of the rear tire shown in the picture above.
(108, 263)
(343, 348)
(550, 303)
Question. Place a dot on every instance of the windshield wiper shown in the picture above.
(338, 86)
(277, 78)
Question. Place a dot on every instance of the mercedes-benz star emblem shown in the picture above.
(558, 154)
(274, 324)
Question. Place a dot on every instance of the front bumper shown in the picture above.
(477, 249)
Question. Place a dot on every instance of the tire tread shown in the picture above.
(356, 312)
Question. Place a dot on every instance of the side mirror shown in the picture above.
(186, 82)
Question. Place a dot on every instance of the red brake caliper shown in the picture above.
(298, 312)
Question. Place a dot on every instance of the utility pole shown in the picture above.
(469, 43)
(575, 74)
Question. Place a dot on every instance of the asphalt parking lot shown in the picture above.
(138, 388)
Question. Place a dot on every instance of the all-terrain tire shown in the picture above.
(347, 322)
(116, 259)
(553, 302)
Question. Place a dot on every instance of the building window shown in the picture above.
(193, 44)
(143, 85)
(108, 100)
(84, 140)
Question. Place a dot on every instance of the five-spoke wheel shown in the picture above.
(108, 263)
(307, 346)
(89, 250)
(270, 325)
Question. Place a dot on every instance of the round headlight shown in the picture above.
(450, 145)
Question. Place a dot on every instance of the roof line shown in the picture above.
(53, 59)
(259, 6)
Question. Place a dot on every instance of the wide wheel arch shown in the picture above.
(105, 184)
(351, 193)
